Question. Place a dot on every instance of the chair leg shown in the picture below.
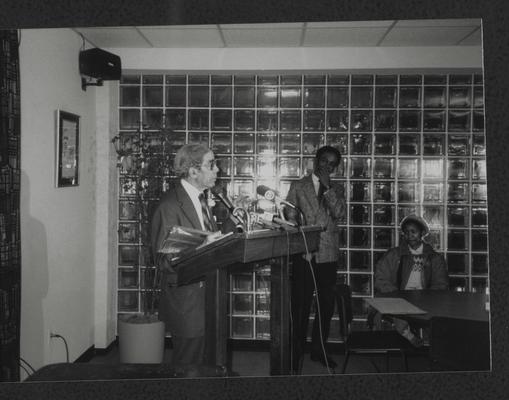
(347, 356)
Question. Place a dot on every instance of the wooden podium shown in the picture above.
(212, 262)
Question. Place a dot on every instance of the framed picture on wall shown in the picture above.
(67, 151)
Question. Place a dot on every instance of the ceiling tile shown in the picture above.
(262, 37)
(183, 36)
(415, 36)
(345, 37)
(113, 37)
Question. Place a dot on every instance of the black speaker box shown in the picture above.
(100, 64)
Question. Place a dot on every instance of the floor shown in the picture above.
(257, 363)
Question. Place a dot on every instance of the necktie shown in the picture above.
(321, 190)
(207, 220)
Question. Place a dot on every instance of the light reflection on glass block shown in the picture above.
(152, 119)
(311, 142)
(407, 193)
(360, 167)
(127, 300)
(457, 192)
(433, 145)
(290, 97)
(308, 165)
(127, 278)
(479, 263)
(290, 120)
(459, 97)
(360, 144)
(433, 168)
(289, 143)
(267, 97)
(262, 328)
(221, 96)
(244, 96)
(385, 144)
(267, 143)
(225, 166)
(383, 238)
(386, 97)
(360, 237)
(289, 167)
(244, 120)
(478, 120)
(198, 119)
(199, 138)
(242, 282)
(458, 284)
(383, 215)
(479, 217)
(457, 239)
(433, 215)
(479, 193)
(360, 284)
(314, 97)
(221, 120)
(458, 145)
(242, 327)
(128, 232)
(478, 96)
(408, 168)
(360, 260)
(128, 255)
(457, 168)
(479, 240)
(457, 263)
(409, 97)
(434, 97)
(404, 211)
(478, 145)
(385, 121)
(267, 121)
(337, 97)
(434, 121)
(129, 119)
(242, 304)
(129, 96)
(266, 166)
(175, 119)
(457, 216)
(338, 141)
(175, 96)
(361, 121)
(127, 209)
(383, 191)
(432, 192)
(244, 143)
(360, 191)
(459, 121)
(262, 305)
(243, 166)
(198, 96)
(221, 143)
(409, 121)
(127, 187)
(479, 285)
(314, 120)
(284, 187)
(360, 214)
(337, 120)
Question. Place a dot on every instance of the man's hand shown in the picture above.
(213, 236)
(324, 177)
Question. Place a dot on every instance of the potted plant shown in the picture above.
(141, 336)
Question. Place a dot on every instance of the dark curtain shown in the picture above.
(10, 249)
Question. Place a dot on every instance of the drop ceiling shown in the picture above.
(393, 33)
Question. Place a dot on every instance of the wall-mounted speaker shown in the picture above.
(100, 65)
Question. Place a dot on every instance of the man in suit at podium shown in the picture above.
(182, 308)
(322, 203)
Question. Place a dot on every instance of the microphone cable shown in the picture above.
(317, 303)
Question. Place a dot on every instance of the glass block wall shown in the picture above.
(411, 144)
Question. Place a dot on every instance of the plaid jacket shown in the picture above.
(327, 214)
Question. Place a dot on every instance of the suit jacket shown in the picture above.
(181, 308)
(327, 214)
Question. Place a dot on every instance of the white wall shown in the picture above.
(301, 59)
(57, 224)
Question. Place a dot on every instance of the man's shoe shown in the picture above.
(325, 361)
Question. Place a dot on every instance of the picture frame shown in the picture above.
(67, 148)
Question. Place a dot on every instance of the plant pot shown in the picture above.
(141, 340)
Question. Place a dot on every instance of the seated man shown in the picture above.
(413, 265)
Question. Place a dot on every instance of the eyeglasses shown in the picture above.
(211, 164)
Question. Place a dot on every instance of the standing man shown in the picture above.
(322, 202)
(182, 308)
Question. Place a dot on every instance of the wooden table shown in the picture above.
(458, 323)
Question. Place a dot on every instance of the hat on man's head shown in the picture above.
(415, 219)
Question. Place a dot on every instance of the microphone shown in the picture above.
(239, 222)
(272, 195)
(224, 199)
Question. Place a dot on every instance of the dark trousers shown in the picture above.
(301, 297)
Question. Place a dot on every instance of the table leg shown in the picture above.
(279, 317)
